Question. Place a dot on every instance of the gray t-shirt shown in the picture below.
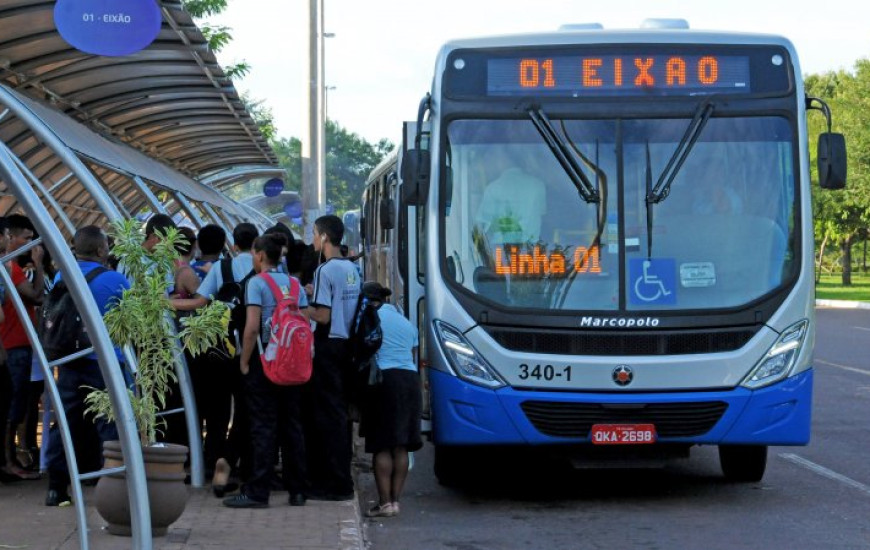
(337, 286)
(214, 280)
(259, 294)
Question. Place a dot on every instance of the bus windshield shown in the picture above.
(518, 233)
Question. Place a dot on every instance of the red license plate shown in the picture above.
(623, 434)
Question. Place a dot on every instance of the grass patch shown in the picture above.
(831, 288)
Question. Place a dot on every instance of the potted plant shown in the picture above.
(142, 320)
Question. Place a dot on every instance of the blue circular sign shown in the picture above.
(273, 187)
(330, 209)
(108, 27)
(293, 209)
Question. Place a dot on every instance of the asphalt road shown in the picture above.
(814, 497)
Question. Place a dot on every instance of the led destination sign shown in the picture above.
(625, 74)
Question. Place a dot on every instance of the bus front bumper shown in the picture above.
(465, 414)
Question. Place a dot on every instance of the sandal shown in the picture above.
(221, 478)
(381, 511)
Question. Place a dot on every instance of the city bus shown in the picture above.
(606, 241)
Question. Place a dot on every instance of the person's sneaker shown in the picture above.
(395, 508)
(57, 498)
(381, 511)
(243, 501)
(296, 499)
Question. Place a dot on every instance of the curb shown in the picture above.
(843, 304)
(352, 531)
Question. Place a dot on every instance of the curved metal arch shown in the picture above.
(224, 179)
(119, 103)
(131, 121)
(154, 135)
(108, 362)
(204, 138)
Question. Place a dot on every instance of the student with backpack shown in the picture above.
(225, 281)
(335, 295)
(395, 403)
(76, 379)
(275, 305)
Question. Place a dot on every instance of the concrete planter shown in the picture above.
(167, 494)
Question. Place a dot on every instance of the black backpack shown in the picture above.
(366, 335)
(232, 293)
(61, 329)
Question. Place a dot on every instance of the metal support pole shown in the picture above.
(187, 207)
(217, 220)
(149, 195)
(313, 188)
(71, 229)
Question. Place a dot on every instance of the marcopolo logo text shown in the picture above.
(619, 322)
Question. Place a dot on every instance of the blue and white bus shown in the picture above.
(606, 240)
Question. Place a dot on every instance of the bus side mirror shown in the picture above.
(415, 177)
(832, 161)
(387, 213)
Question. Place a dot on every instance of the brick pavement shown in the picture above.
(26, 524)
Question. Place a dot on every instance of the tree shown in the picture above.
(841, 217)
(217, 36)
(349, 161)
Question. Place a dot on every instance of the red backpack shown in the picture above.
(287, 360)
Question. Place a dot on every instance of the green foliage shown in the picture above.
(262, 116)
(842, 217)
(830, 287)
(349, 160)
(217, 36)
(141, 319)
(204, 8)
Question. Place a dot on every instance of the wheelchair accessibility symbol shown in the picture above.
(653, 282)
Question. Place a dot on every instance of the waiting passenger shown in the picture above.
(394, 406)
(18, 348)
(78, 378)
(275, 411)
(233, 450)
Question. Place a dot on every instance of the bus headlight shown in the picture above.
(465, 360)
(777, 363)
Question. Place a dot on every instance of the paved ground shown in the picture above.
(206, 525)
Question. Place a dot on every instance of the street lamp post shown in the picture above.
(314, 148)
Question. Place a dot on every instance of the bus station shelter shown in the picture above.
(87, 139)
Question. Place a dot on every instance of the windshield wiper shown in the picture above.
(564, 156)
(661, 190)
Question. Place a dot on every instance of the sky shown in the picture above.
(381, 60)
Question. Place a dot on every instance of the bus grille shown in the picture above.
(559, 419)
(621, 343)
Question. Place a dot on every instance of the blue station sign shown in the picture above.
(108, 27)
(273, 187)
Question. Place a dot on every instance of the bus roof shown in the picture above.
(620, 36)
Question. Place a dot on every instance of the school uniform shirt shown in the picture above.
(337, 286)
(400, 338)
(241, 264)
(260, 294)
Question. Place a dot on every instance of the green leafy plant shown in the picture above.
(143, 320)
